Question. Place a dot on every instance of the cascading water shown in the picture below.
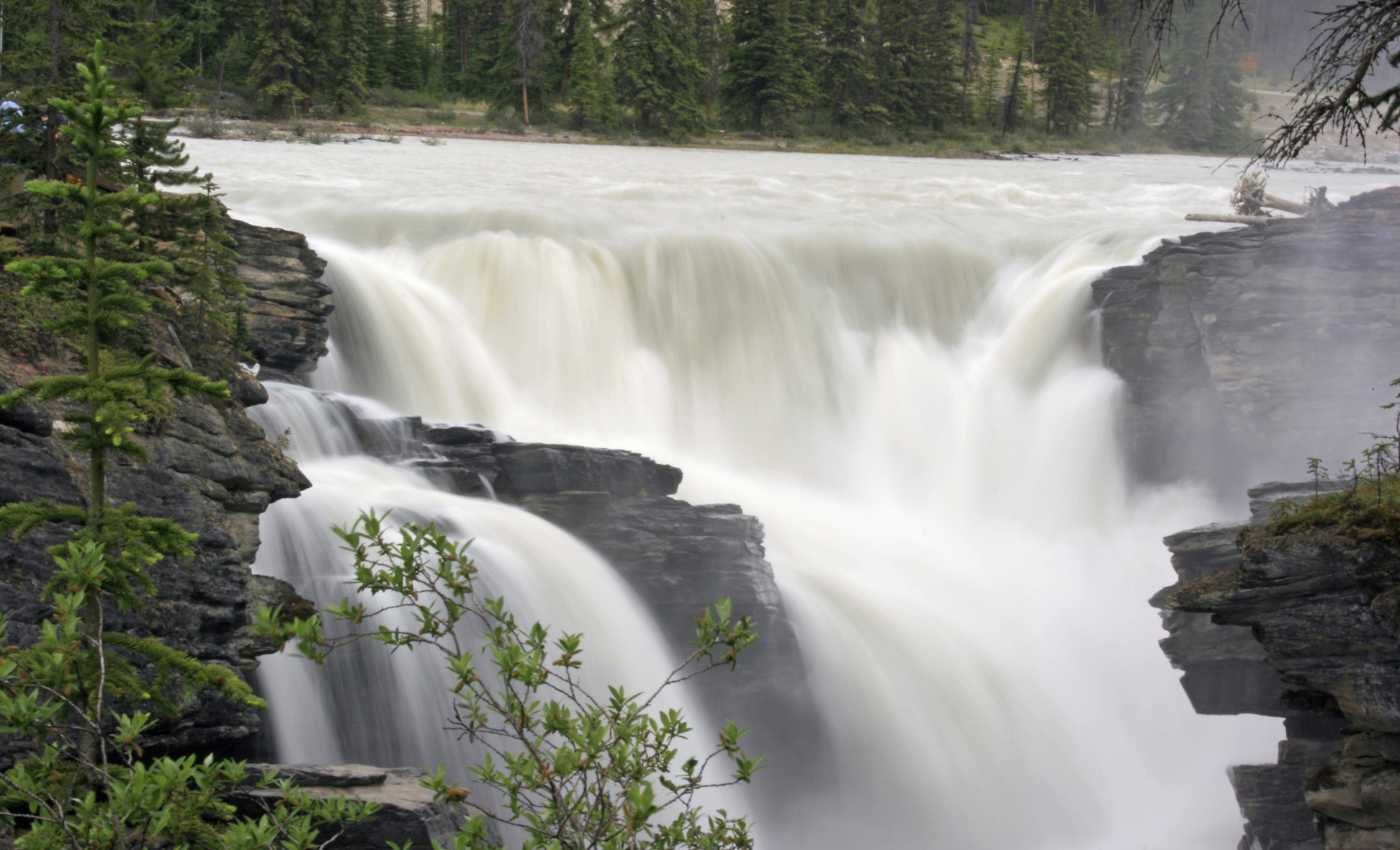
(540, 570)
(890, 362)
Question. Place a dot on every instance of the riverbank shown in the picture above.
(390, 124)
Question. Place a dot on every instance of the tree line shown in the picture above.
(858, 68)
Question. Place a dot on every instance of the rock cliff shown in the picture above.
(1247, 351)
(1304, 626)
(210, 469)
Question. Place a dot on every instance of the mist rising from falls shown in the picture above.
(892, 364)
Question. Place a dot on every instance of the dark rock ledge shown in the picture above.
(1305, 627)
(676, 556)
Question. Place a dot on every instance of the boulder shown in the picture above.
(288, 305)
(407, 815)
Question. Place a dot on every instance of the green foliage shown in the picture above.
(80, 700)
(1368, 506)
(279, 69)
(574, 769)
(766, 82)
(77, 684)
(916, 62)
(148, 53)
(589, 86)
(1202, 100)
(1065, 59)
(848, 78)
(660, 74)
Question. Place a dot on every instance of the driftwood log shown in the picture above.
(1231, 219)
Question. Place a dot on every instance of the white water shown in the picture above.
(889, 361)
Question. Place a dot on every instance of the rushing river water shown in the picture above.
(891, 362)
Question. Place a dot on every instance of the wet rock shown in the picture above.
(288, 305)
(1231, 344)
(1298, 626)
(210, 469)
(407, 813)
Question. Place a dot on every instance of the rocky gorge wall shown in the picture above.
(1304, 626)
(1243, 353)
(1247, 351)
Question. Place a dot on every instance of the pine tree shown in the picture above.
(341, 54)
(590, 90)
(98, 299)
(971, 57)
(378, 59)
(1065, 58)
(1014, 105)
(916, 62)
(659, 69)
(1202, 100)
(764, 83)
(988, 101)
(1129, 112)
(849, 81)
(78, 696)
(522, 58)
(713, 50)
(279, 68)
(405, 54)
(148, 53)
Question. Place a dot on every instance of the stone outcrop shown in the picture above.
(289, 306)
(209, 469)
(407, 813)
(1303, 626)
(677, 556)
(1247, 351)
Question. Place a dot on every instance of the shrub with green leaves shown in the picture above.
(571, 769)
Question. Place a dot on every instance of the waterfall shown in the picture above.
(368, 706)
(891, 362)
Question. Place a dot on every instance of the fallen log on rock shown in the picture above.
(1231, 219)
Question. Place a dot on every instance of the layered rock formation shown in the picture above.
(1247, 351)
(1303, 626)
(677, 556)
(288, 304)
(209, 469)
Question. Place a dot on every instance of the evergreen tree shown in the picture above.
(659, 69)
(378, 60)
(77, 697)
(764, 84)
(712, 43)
(206, 21)
(988, 101)
(849, 79)
(520, 69)
(279, 68)
(1065, 59)
(1129, 109)
(916, 62)
(405, 60)
(590, 90)
(971, 57)
(148, 53)
(341, 53)
(1015, 103)
(1202, 100)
